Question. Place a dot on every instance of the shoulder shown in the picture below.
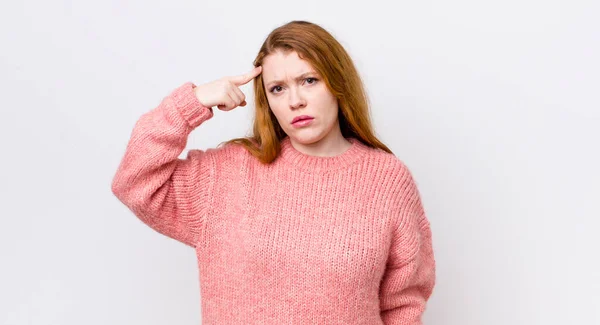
(389, 165)
(391, 174)
(408, 204)
(224, 155)
(397, 176)
(401, 190)
(230, 154)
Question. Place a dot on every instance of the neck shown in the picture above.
(314, 164)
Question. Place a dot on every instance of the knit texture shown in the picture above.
(303, 240)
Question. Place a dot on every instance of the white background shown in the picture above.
(493, 105)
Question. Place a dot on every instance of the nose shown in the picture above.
(296, 99)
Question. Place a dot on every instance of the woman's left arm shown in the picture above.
(410, 274)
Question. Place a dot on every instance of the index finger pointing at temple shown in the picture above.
(245, 78)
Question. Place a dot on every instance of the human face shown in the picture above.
(294, 89)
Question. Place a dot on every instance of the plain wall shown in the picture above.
(493, 105)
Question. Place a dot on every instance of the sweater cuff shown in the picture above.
(189, 106)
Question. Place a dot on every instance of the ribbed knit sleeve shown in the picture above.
(409, 278)
(169, 194)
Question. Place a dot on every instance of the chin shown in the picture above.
(306, 138)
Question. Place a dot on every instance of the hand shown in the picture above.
(224, 93)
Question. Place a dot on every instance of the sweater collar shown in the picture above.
(292, 156)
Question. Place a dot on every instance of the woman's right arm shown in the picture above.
(169, 194)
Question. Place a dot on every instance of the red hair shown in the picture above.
(329, 58)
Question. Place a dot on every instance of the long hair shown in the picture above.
(329, 58)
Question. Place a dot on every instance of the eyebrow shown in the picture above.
(300, 77)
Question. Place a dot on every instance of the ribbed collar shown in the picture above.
(316, 164)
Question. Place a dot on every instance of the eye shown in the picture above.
(310, 81)
(310, 78)
(273, 88)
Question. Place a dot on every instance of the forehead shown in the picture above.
(280, 65)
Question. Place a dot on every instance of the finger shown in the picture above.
(240, 96)
(235, 96)
(228, 104)
(245, 78)
(232, 103)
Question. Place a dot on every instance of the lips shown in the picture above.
(301, 118)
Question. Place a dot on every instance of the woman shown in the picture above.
(311, 220)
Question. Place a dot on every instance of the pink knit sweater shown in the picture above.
(304, 240)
